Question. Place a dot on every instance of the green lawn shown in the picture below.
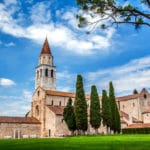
(112, 142)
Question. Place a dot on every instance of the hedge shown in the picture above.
(136, 131)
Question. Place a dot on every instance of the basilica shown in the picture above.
(45, 118)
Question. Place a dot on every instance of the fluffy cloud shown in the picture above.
(40, 13)
(16, 105)
(6, 82)
(67, 35)
(134, 74)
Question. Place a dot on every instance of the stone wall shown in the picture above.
(17, 130)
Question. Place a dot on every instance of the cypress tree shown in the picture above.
(69, 116)
(135, 91)
(106, 110)
(80, 106)
(115, 117)
(95, 116)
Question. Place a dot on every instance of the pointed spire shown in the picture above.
(46, 48)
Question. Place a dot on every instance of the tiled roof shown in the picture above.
(139, 125)
(124, 122)
(58, 110)
(26, 120)
(46, 48)
(135, 120)
(123, 114)
(58, 93)
(65, 94)
(128, 97)
(146, 111)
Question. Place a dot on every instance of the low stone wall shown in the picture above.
(17, 130)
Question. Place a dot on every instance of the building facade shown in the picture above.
(45, 118)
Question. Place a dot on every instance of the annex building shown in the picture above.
(45, 118)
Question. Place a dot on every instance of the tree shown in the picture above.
(115, 117)
(106, 110)
(107, 13)
(95, 116)
(80, 106)
(69, 116)
(135, 91)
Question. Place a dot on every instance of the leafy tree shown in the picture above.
(69, 116)
(115, 117)
(95, 116)
(107, 13)
(106, 110)
(135, 91)
(80, 106)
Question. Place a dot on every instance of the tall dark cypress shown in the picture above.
(115, 117)
(95, 116)
(69, 116)
(80, 106)
(106, 110)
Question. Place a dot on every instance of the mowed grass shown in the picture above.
(110, 142)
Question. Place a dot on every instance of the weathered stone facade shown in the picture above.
(19, 127)
(45, 119)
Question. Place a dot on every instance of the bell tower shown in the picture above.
(45, 71)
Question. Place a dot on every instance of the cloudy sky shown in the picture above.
(120, 55)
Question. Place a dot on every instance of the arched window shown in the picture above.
(37, 110)
(38, 93)
(46, 72)
(40, 72)
(59, 103)
(52, 102)
(52, 73)
(145, 96)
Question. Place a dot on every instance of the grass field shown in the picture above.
(112, 142)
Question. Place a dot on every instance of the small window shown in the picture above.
(133, 104)
(43, 57)
(52, 73)
(40, 72)
(37, 74)
(147, 115)
(145, 96)
(123, 106)
(52, 102)
(38, 93)
(59, 103)
(46, 72)
(37, 110)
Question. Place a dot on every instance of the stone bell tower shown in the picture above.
(45, 71)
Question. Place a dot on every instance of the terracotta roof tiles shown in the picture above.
(26, 120)
(128, 97)
(46, 48)
(139, 125)
(58, 110)
(65, 94)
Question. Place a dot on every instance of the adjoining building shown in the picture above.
(45, 118)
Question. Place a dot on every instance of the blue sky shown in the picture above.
(120, 55)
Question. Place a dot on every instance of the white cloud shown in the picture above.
(60, 35)
(16, 105)
(10, 44)
(135, 74)
(6, 82)
(40, 13)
